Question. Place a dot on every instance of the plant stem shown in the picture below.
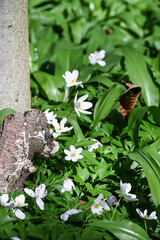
(68, 94)
(115, 208)
(145, 225)
(70, 113)
(98, 77)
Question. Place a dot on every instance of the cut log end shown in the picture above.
(21, 138)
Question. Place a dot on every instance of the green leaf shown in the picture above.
(5, 218)
(112, 60)
(4, 112)
(89, 158)
(68, 57)
(123, 230)
(157, 69)
(134, 121)
(78, 132)
(150, 162)
(106, 103)
(82, 173)
(51, 85)
(136, 117)
(139, 75)
(155, 111)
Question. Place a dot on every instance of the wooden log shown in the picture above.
(21, 138)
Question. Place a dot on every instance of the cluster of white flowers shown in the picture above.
(18, 202)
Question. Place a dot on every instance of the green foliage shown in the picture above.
(62, 36)
(4, 112)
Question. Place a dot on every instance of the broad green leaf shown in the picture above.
(4, 112)
(51, 85)
(149, 160)
(76, 127)
(123, 230)
(111, 60)
(68, 57)
(134, 121)
(139, 75)
(106, 103)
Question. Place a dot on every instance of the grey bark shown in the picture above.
(14, 55)
(22, 136)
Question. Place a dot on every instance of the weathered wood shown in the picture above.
(22, 137)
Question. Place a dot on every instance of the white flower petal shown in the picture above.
(64, 216)
(19, 214)
(15, 238)
(83, 98)
(29, 192)
(153, 215)
(101, 63)
(68, 213)
(40, 203)
(75, 74)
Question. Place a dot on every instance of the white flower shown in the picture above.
(68, 213)
(91, 6)
(73, 154)
(15, 238)
(39, 193)
(145, 216)
(95, 145)
(59, 127)
(19, 214)
(80, 105)
(20, 201)
(49, 115)
(71, 78)
(98, 205)
(97, 57)
(125, 189)
(4, 201)
(112, 200)
(67, 185)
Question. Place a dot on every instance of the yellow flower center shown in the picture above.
(74, 154)
(19, 203)
(96, 205)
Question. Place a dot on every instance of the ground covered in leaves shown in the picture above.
(95, 72)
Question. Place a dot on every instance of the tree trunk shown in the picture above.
(14, 55)
(24, 133)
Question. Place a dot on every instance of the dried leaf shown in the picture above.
(129, 99)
